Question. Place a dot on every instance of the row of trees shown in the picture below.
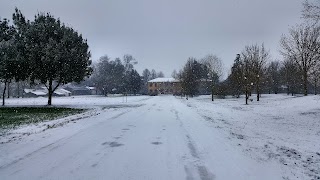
(300, 69)
(119, 76)
(43, 50)
(253, 70)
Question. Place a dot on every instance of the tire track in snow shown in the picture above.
(197, 163)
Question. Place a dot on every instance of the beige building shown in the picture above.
(164, 86)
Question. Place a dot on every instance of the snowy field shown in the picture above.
(166, 137)
(279, 127)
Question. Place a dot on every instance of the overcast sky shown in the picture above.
(162, 34)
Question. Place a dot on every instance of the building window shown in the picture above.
(155, 85)
(150, 84)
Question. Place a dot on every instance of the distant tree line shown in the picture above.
(43, 50)
(116, 76)
(297, 73)
(119, 76)
(46, 51)
(253, 70)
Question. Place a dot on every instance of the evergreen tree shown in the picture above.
(100, 73)
(58, 54)
(22, 55)
(236, 77)
(8, 61)
(190, 76)
(273, 77)
(109, 76)
(116, 77)
(134, 82)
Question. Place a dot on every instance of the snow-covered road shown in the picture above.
(162, 138)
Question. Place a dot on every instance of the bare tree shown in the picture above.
(254, 58)
(311, 11)
(174, 74)
(153, 74)
(302, 46)
(146, 74)
(129, 61)
(214, 65)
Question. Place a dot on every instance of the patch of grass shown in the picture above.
(11, 117)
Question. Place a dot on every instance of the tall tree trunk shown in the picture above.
(247, 94)
(23, 86)
(4, 92)
(8, 84)
(18, 87)
(305, 82)
(50, 93)
(212, 93)
(247, 97)
(258, 90)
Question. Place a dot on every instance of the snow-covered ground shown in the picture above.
(279, 127)
(167, 137)
(77, 101)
